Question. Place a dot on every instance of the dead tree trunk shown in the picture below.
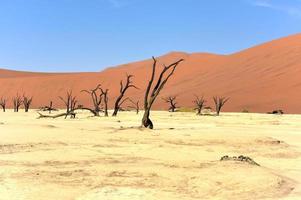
(26, 102)
(17, 101)
(51, 116)
(123, 88)
(105, 100)
(199, 103)
(135, 105)
(219, 103)
(172, 102)
(70, 103)
(3, 103)
(48, 108)
(151, 97)
(96, 99)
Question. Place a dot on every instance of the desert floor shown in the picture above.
(112, 158)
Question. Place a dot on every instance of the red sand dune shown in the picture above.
(259, 79)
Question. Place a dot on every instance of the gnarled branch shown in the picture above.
(150, 96)
(3, 103)
(199, 104)
(135, 105)
(123, 88)
(219, 103)
(26, 102)
(172, 101)
(96, 98)
(17, 101)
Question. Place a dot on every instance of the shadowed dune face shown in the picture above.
(259, 79)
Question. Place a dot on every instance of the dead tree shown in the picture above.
(51, 116)
(3, 103)
(49, 108)
(105, 100)
(135, 105)
(70, 103)
(172, 101)
(26, 102)
(199, 104)
(150, 96)
(96, 99)
(123, 88)
(219, 103)
(17, 102)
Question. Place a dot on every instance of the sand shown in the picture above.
(112, 158)
(260, 79)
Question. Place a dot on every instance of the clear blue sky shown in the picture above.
(89, 35)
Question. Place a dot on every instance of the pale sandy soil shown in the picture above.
(111, 158)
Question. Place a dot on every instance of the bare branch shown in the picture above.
(219, 103)
(96, 98)
(172, 101)
(26, 102)
(70, 103)
(135, 105)
(123, 89)
(199, 104)
(149, 98)
(3, 103)
(17, 101)
(106, 100)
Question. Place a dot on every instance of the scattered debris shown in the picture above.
(240, 158)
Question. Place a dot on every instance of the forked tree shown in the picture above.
(17, 102)
(96, 96)
(26, 102)
(70, 103)
(172, 103)
(199, 104)
(135, 105)
(3, 103)
(150, 96)
(219, 103)
(123, 88)
(104, 93)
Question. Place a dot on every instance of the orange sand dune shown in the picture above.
(259, 79)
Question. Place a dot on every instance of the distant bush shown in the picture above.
(245, 111)
(183, 109)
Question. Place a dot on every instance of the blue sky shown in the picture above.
(89, 35)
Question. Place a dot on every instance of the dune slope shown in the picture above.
(259, 79)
